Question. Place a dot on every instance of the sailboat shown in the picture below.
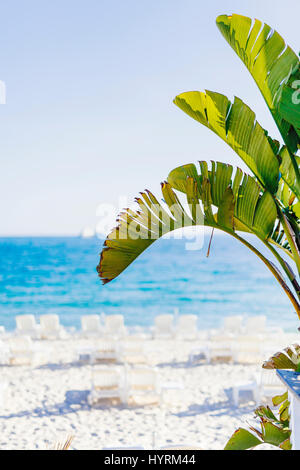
(88, 232)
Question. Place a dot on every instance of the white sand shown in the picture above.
(45, 403)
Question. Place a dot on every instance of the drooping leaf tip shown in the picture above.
(223, 19)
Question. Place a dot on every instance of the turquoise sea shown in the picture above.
(58, 275)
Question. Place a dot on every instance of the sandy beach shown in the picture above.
(47, 401)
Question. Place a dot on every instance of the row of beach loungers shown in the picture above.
(136, 378)
(143, 386)
(129, 384)
(237, 341)
(165, 327)
(125, 372)
(106, 325)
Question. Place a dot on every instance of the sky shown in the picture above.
(89, 117)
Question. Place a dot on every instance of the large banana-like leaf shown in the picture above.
(241, 205)
(269, 60)
(137, 230)
(235, 123)
(253, 209)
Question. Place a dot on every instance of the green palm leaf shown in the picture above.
(242, 439)
(137, 230)
(269, 60)
(235, 123)
(253, 209)
(241, 205)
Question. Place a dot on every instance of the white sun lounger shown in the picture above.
(107, 383)
(220, 348)
(21, 350)
(164, 327)
(132, 351)
(91, 326)
(105, 349)
(114, 326)
(248, 349)
(26, 325)
(51, 328)
(186, 327)
(142, 385)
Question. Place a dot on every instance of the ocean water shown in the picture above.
(58, 275)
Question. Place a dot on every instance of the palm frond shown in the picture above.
(241, 205)
(236, 124)
(269, 60)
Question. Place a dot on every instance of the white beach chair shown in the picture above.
(132, 351)
(186, 327)
(107, 383)
(164, 327)
(220, 348)
(114, 326)
(51, 328)
(232, 325)
(106, 349)
(142, 386)
(27, 326)
(21, 350)
(255, 325)
(90, 326)
(248, 349)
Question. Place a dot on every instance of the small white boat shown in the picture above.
(88, 232)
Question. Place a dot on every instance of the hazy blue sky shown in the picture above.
(89, 114)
